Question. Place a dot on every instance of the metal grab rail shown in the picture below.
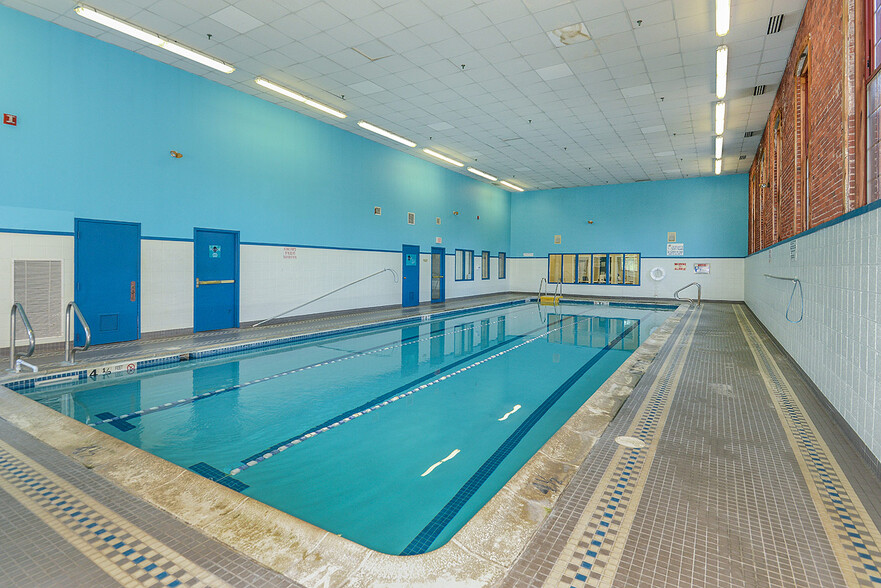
(542, 284)
(558, 291)
(690, 301)
(32, 341)
(68, 351)
(388, 269)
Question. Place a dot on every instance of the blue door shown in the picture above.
(410, 275)
(107, 279)
(216, 293)
(438, 263)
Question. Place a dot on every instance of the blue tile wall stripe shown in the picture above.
(422, 542)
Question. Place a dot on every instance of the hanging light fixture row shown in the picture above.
(723, 23)
(178, 49)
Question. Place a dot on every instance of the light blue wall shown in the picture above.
(709, 216)
(96, 124)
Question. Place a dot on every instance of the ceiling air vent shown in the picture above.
(742, 157)
(775, 24)
(759, 90)
(750, 134)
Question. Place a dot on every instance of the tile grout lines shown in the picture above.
(852, 534)
(122, 550)
(609, 515)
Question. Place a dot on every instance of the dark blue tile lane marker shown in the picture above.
(427, 536)
(215, 475)
(383, 397)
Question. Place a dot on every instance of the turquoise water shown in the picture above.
(392, 437)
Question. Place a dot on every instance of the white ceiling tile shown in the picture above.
(236, 19)
(554, 72)
(380, 24)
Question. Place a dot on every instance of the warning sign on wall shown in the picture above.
(290, 253)
(677, 249)
(679, 266)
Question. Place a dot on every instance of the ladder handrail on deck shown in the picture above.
(690, 301)
(13, 356)
(68, 351)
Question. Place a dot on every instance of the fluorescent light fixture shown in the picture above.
(197, 57)
(718, 146)
(387, 134)
(510, 185)
(720, 117)
(299, 97)
(443, 158)
(118, 25)
(723, 17)
(721, 71)
(718, 168)
(148, 37)
(477, 172)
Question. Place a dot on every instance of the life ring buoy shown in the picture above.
(657, 274)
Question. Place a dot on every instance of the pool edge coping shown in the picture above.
(480, 553)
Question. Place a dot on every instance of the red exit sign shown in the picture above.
(10, 119)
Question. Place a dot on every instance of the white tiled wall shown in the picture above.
(166, 285)
(838, 343)
(724, 282)
(38, 247)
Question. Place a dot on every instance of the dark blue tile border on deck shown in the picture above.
(422, 542)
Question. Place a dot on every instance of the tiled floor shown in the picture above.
(738, 477)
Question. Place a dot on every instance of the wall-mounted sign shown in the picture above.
(677, 249)
(10, 119)
(680, 266)
(671, 236)
(438, 240)
(290, 253)
(793, 250)
(701, 268)
(558, 239)
(214, 251)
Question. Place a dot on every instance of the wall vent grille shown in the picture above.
(775, 23)
(37, 286)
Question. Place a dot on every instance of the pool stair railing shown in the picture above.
(547, 299)
(690, 301)
(15, 359)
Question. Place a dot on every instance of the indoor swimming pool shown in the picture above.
(392, 436)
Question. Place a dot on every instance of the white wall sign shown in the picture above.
(676, 249)
(701, 268)
(290, 253)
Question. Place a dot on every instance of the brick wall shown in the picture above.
(818, 149)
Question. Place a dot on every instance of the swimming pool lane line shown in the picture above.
(191, 399)
(395, 395)
(423, 540)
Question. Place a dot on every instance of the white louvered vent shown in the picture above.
(37, 286)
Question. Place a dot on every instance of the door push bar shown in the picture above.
(209, 282)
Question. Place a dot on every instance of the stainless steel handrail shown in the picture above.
(542, 284)
(32, 341)
(690, 301)
(68, 350)
(388, 269)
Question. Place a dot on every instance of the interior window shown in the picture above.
(616, 268)
(502, 261)
(569, 268)
(584, 268)
(555, 268)
(599, 268)
(631, 269)
(484, 265)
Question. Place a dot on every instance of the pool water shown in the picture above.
(393, 437)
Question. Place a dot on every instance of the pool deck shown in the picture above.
(732, 472)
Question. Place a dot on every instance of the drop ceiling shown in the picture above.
(627, 95)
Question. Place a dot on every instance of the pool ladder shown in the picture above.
(16, 359)
(545, 299)
(68, 349)
(690, 301)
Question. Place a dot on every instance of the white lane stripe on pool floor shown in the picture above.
(447, 458)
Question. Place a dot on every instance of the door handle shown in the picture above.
(209, 282)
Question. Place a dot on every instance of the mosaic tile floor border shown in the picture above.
(854, 538)
(126, 553)
(595, 547)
